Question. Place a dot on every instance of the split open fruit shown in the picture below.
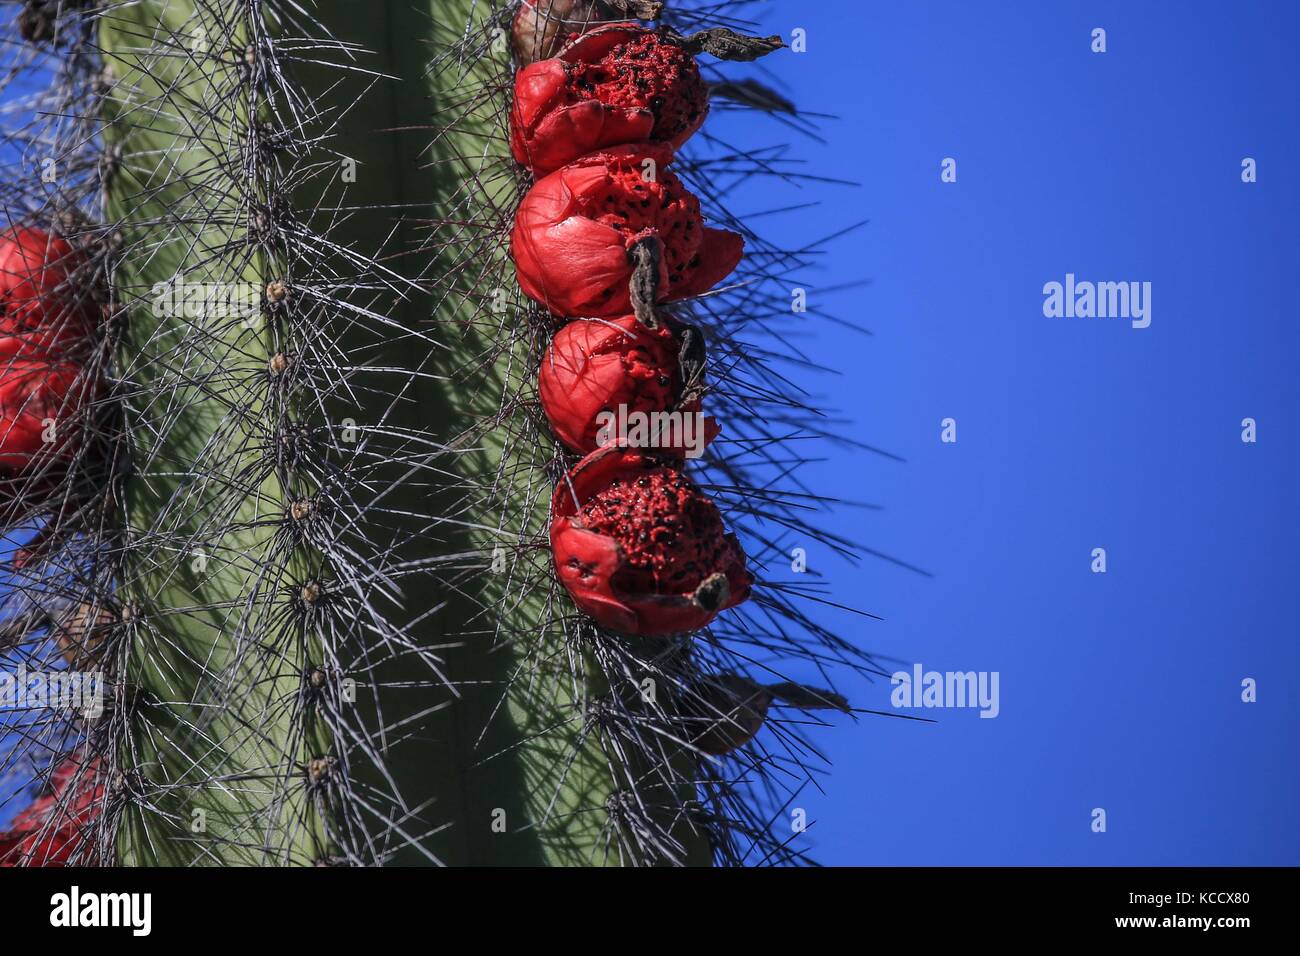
(614, 85)
(641, 548)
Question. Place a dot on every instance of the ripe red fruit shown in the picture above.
(576, 229)
(40, 403)
(52, 830)
(640, 548)
(46, 321)
(601, 365)
(42, 312)
(614, 85)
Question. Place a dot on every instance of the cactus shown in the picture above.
(305, 531)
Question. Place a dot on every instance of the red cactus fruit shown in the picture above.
(44, 324)
(640, 548)
(39, 406)
(52, 829)
(40, 312)
(597, 369)
(577, 230)
(614, 85)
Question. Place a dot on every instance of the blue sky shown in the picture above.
(1119, 690)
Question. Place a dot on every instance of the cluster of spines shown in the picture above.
(238, 741)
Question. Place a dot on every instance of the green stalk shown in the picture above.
(504, 763)
(213, 739)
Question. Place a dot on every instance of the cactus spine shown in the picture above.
(336, 634)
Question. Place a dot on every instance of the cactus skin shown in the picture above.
(205, 567)
(261, 552)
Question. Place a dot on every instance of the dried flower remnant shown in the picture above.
(726, 711)
(724, 43)
(81, 637)
(541, 27)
